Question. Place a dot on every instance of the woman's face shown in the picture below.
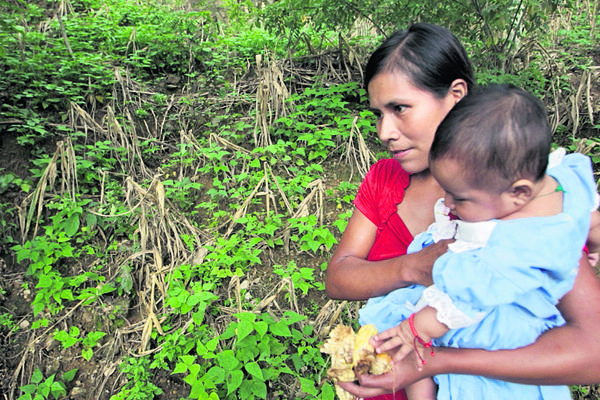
(408, 116)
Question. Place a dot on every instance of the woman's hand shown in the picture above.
(403, 373)
(420, 271)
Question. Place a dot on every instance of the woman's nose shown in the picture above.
(386, 129)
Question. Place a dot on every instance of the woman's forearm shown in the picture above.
(354, 278)
(543, 363)
(350, 276)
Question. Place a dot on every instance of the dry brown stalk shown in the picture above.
(271, 96)
(35, 201)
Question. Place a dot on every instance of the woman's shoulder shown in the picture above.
(381, 190)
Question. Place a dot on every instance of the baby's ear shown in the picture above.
(521, 191)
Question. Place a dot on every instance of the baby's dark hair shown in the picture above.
(499, 134)
(431, 56)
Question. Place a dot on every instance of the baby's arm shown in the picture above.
(426, 326)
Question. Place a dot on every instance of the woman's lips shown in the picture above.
(400, 154)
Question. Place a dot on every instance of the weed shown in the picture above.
(41, 389)
(72, 337)
(139, 384)
(310, 236)
(303, 278)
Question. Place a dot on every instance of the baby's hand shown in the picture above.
(397, 340)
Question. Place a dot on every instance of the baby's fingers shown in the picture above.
(389, 344)
(384, 336)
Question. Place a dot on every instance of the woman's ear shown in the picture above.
(521, 191)
(458, 90)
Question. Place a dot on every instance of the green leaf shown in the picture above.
(29, 389)
(293, 317)
(254, 369)
(87, 354)
(72, 224)
(234, 380)
(227, 360)
(215, 375)
(69, 375)
(58, 389)
(313, 245)
(245, 316)
(45, 281)
(327, 392)
(308, 386)
(244, 328)
(259, 388)
(261, 328)
(180, 368)
(281, 329)
(66, 340)
(187, 360)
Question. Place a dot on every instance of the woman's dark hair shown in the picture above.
(498, 133)
(430, 55)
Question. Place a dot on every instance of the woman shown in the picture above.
(414, 78)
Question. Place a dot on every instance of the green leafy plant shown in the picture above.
(303, 278)
(72, 337)
(310, 236)
(41, 389)
(139, 384)
(10, 181)
(259, 355)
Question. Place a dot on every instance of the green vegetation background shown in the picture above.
(174, 175)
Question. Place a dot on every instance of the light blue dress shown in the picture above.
(498, 285)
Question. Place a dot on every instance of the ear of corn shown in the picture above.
(364, 354)
(352, 354)
(341, 346)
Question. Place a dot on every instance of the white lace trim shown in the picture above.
(447, 312)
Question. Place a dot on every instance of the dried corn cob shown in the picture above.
(352, 354)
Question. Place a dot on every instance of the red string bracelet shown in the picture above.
(427, 345)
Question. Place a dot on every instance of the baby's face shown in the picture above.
(466, 201)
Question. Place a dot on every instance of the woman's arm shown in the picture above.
(567, 355)
(351, 277)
